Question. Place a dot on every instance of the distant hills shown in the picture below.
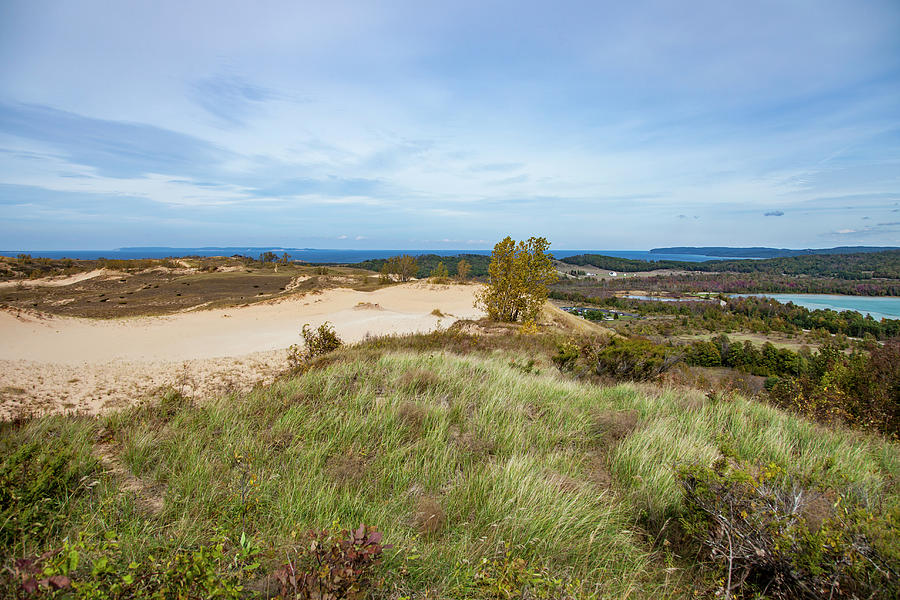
(882, 263)
(763, 252)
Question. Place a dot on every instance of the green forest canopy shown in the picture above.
(863, 265)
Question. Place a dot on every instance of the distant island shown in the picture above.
(763, 252)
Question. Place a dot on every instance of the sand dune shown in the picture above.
(56, 281)
(54, 363)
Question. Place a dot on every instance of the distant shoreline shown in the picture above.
(324, 255)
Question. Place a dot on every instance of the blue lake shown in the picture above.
(880, 307)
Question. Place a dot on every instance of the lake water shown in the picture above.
(320, 255)
(880, 307)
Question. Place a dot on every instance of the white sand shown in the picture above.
(50, 363)
(56, 281)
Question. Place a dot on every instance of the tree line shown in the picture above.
(426, 263)
(857, 266)
(757, 314)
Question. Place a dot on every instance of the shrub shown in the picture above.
(317, 342)
(37, 480)
(770, 533)
(634, 358)
(508, 577)
(567, 354)
(332, 566)
(206, 572)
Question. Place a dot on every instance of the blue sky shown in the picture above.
(603, 125)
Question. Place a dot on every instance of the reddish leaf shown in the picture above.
(60, 581)
(30, 585)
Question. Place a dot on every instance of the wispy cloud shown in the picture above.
(229, 98)
(623, 126)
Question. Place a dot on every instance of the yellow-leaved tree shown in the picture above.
(518, 277)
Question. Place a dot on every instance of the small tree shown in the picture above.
(463, 268)
(385, 276)
(406, 267)
(440, 271)
(519, 274)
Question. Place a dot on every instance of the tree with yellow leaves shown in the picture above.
(518, 277)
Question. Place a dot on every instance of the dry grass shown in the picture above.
(429, 518)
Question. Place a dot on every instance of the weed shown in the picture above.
(333, 566)
(429, 517)
(317, 342)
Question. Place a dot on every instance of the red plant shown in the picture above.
(333, 566)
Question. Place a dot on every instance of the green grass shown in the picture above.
(510, 457)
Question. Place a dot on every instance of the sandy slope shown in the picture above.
(56, 281)
(59, 363)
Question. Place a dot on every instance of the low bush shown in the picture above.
(37, 480)
(508, 577)
(333, 566)
(635, 359)
(101, 572)
(317, 342)
(771, 533)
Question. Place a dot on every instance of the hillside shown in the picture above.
(488, 471)
(857, 266)
(763, 252)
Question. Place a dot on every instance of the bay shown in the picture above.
(879, 307)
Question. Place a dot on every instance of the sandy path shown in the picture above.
(52, 363)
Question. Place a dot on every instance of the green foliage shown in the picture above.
(519, 276)
(106, 574)
(439, 272)
(316, 342)
(863, 265)
(566, 356)
(861, 390)
(769, 533)
(463, 269)
(404, 267)
(476, 265)
(766, 360)
(634, 359)
(37, 481)
(333, 566)
(749, 313)
(508, 577)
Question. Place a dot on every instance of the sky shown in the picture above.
(412, 125)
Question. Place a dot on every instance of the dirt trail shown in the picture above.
(147, 497)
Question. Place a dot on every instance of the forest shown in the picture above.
(858, 266)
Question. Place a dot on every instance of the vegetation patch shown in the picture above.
(770, 533)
